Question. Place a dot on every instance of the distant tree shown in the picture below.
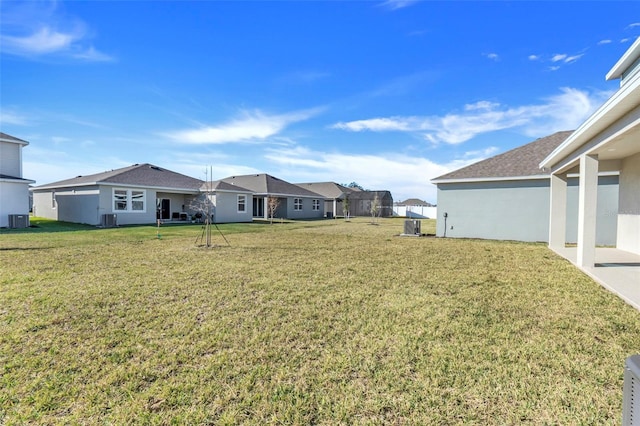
(355, 185)
(272, 205)
(375, 209)
(345, 206)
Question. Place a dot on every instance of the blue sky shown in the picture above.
(389, 94)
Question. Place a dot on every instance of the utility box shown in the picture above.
(631, 392)
(109, 220)
(18, 221)
(412, 227)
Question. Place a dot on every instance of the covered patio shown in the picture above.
(607, 142)
(616, 270)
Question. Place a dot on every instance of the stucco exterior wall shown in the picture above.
(10, 159)
(307, 211)
(78, 205)
(14, 199)
(518, 210)
(226, 207)
(629, 205)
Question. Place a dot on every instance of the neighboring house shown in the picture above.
(137, 194)
(415, 208)
(229, 203)
(506, 197)
(360, 203)
(294, 202)
(333, 194)
(608, 140)
(14, 189)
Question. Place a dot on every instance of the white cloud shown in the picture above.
(10, 117)
(634, 25)
(564, 111)
(558, 57)
(405, 176)
(397, 4)
(493, 56)
(601, 42)
(571, 59)
(251, 126)
(534, 58)
(38, 29)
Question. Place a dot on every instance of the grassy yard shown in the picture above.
(323, 322)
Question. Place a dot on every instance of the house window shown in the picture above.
(297, 204)
(316, 205)
(137, 200)
(242, 203)
(53, 200)
(128, 200)
(120, 199)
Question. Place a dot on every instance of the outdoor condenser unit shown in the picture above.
(18, 221)
(109, 220)
(631, 392)
(412, 227)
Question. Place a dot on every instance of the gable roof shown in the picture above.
(146, 175)
(326, 189)
(8, 138)
(521, 162)
(414, 202)
(267, 184)
(222, 186)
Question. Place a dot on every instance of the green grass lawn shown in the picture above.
(319, 322)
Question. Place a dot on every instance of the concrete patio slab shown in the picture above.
(616, 270)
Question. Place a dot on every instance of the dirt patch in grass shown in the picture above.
(322, 322)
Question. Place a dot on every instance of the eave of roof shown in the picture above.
(625, 62)
(12, 139)
(622, 101)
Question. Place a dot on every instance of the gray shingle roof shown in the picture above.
(139, 174)
(326, 189)
(518, 162)
(414, 202)
(267, 184)
(220, 185)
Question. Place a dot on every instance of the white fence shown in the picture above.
(416, 212)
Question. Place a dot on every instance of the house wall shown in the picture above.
(307, 211)
(14, 199)
(518, 210)
(226, 207)
(79, 205)
(629, 205)
(10, 159)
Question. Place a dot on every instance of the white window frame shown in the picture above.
(316, 205)
(131, 198)
(243, 203)
(297, 204)
(54, 201)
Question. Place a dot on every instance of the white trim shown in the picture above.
(19, 142)
(489, 179)
(623, 64)
(589, 128)
(129, 200)
(238, 203)
(17, 180)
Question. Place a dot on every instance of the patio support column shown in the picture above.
(265, 210)
(587, 206)
(558, 211)
(335, 207)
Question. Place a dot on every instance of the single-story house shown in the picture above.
(333, 194)
(293, 202)
(609, 140)
(506, 197)
(14, 189)
(226, 203)
(138, 194)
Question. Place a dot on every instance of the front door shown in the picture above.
(164, 208)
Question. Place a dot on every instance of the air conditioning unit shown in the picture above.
(18, 221)
(411, 227)
(109, 220)
(631, 391)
